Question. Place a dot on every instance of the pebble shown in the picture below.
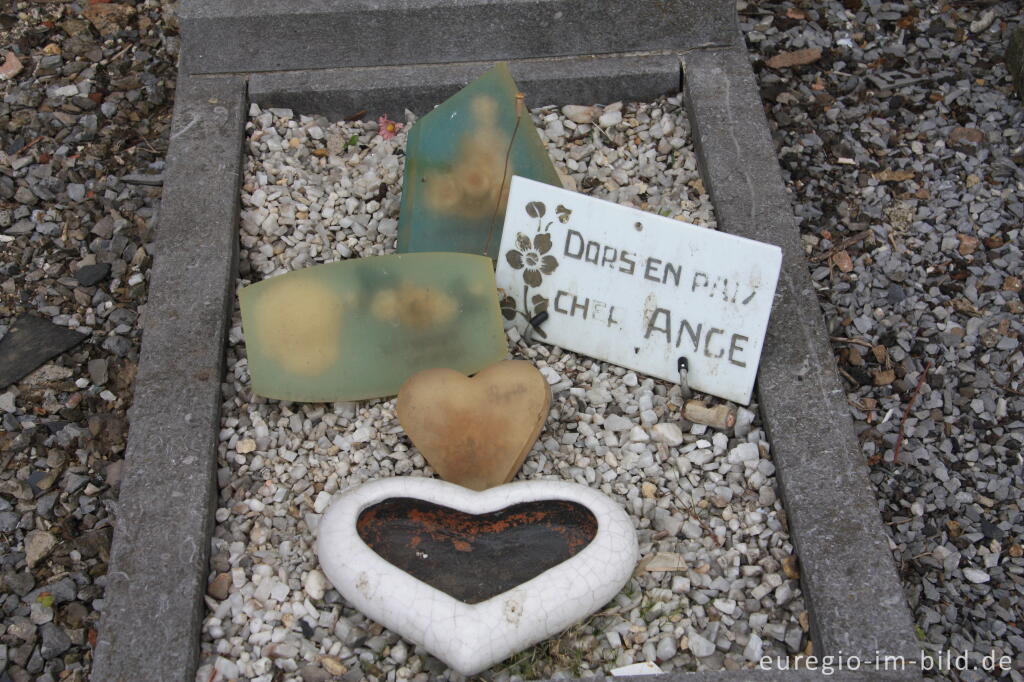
(91, 275)
(667, 647)
(54, 641)
(38, 545)
(580, 114)
(315, 584)
(220, 586)
(700, 646)
(667, 433)
(610, 118)
(98, 371)
(976, 576)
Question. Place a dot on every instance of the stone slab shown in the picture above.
(228, 36)
(856, 602)
(390, 90)
(29, 343)
(159, 559)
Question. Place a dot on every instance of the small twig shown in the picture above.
(1011, 390)
(906, 412)
(846, 243)
(858, 342)
(121, 52)
(704, 526)
(31, 144)
(846, 375)
(605, 133)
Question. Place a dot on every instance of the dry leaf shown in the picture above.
(968, 244)
(665, 561)
(108, 19)
(894, 175)
(881, 354)
(962, 305)
(795, 58)
(804, 620)
(842, 260)
(884, 377)
(961, 136)
(1011, 283)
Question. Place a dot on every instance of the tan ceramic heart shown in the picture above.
(475, 431)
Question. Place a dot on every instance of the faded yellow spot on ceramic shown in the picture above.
(416, 307)
(444, 193)
(485, 110)
(460, 159)
(300, 325)
(359, 328)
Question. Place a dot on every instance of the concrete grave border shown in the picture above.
(154, 601)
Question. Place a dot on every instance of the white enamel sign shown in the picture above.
(637, 289)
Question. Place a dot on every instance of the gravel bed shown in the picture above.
(312, 194)
(894, 82)
(904, 148)
(83, 130)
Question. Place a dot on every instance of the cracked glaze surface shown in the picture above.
(472, 637)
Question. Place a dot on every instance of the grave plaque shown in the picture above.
(637, 289)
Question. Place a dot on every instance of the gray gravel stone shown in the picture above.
(54, 641)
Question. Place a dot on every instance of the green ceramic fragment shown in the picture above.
(359, 328)
(460, 159)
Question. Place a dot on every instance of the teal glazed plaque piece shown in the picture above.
(358, 329)
(460, 159)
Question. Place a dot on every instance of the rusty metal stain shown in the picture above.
(475, 557)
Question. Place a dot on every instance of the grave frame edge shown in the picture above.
(114, 664)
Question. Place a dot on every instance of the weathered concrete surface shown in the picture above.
(158, 567)
(856, 601)
(228, 36)
(390, 90)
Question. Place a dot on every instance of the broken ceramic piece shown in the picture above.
(359, 328)
(440, 527)
(29, 343)
(460, 159)
(475, 431)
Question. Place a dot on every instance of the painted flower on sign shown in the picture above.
(532, 257)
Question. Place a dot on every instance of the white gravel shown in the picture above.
(312, 194)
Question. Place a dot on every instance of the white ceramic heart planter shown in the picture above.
(471, 637)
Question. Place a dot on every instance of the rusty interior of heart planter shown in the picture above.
(475, 557)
